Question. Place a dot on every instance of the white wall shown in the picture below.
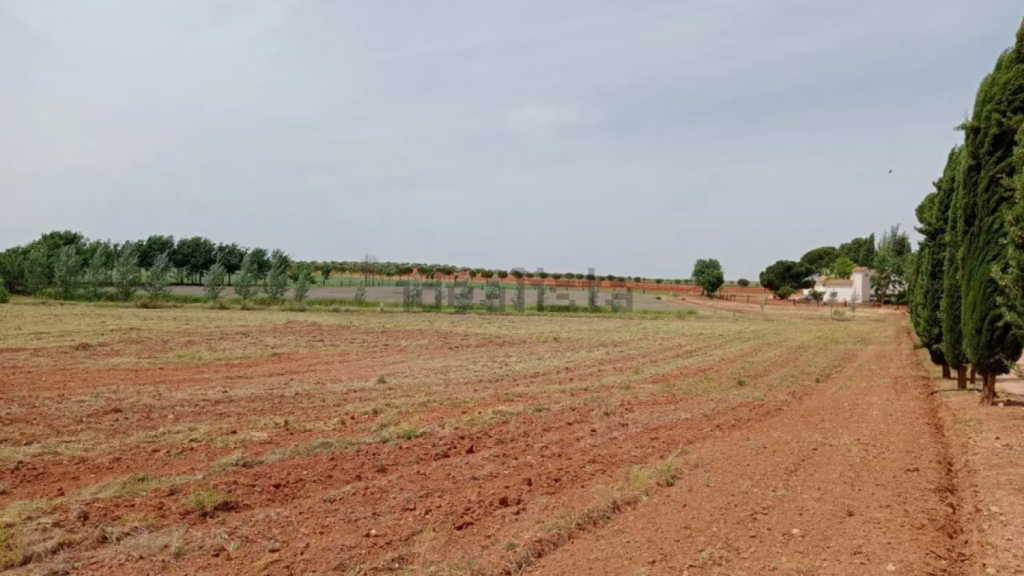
(861, 283)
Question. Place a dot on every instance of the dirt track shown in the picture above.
(468, 445)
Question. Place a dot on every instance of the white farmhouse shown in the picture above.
(859, 282)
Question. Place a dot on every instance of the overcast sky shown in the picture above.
(632, 137)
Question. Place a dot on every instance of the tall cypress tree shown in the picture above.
(989, 342)
(926, 300)
(1011, 278)
(951, 305)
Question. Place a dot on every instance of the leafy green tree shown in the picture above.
(277, 276)
(194, 255)
(37, 270)
(158, 280)
(743, 282)
(247, 284)
(127, 275)
(105, 248)
(989, 341)
(67, 275)
(12, 269)
(708, 274)
(260, 261)
(889, 278)
(5, 296)
(842, 267)
(821, 259)
(325, 270)
(97, 276)
(154, 246)
(213, 282)
(296, 269)
(230, 256)
(785, 277)
(860, 250)
(301, 288)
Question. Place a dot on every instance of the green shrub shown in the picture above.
(127, 274)
(67, 272)
(277, 277)
(5, 296)
(492, 293)
(158, 281)
(301, 288)
(592, 296)
(246, 286)
(360, 296)
(37, 271)
(213, 284)
(464, 297)
(519, 296)
(98, 274)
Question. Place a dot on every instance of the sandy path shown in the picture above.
(854, 478)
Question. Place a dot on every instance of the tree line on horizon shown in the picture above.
(66, 263)
(967, 304)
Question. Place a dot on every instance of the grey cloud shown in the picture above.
(633, 138)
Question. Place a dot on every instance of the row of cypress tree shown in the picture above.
(967, 303)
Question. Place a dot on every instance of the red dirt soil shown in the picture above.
(855, 478)
(852, 475)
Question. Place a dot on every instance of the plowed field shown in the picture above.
(192, 441)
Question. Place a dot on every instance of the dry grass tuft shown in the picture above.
(134, 486)
(208, 502)
(235, 460)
